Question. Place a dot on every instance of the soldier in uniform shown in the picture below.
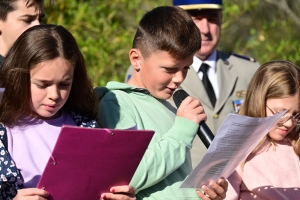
(217, 79)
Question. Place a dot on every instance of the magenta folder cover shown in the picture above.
(86, 162)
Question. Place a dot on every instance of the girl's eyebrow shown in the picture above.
(42, 80)
(45, 81)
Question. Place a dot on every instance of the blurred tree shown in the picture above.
(104, 30)
(264, 29)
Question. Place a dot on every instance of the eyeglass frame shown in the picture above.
(290, 117)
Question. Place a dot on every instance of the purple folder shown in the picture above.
(86, 162)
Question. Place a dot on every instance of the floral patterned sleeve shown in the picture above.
(83, 121)
(11, 179)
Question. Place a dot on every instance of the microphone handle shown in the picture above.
(205, 134)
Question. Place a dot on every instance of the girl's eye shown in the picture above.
(41, 86)
(65, 84)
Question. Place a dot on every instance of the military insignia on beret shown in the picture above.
(243, 57)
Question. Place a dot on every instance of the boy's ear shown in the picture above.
(135, 57)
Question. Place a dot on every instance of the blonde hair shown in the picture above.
(275, 79)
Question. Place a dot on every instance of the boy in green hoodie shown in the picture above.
(162, 52)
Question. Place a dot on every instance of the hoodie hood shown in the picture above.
(113, 85)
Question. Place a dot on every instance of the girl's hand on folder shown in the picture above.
(125, 192)
(215, 191)
(32, 193)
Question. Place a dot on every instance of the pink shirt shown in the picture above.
(273, 175)
(31, 145)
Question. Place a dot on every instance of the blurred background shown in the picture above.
(104, 29)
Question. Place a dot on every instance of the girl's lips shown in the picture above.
(283, 131)
(50, 107)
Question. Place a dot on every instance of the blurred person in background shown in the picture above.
(16, 16)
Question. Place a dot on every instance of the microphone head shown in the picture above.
(178, 96)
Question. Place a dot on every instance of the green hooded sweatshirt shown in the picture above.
(167, 161)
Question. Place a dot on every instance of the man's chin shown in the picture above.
(205, 52)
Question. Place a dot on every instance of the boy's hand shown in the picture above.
(124, 192)
(191, 109)
(215, 191)
(31, 194)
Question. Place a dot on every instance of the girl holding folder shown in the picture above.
(46, 85)
(272, 170)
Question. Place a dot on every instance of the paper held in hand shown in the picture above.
(235, 140)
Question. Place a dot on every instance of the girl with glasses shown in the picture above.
(272, 170)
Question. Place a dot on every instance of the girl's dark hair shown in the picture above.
(36, 45)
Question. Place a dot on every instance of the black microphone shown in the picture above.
(204, 132)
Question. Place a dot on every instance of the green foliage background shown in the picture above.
(104, 30)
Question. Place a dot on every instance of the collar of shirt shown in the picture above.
(212, 71)
(211, 61)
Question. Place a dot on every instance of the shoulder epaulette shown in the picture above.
(243, 57)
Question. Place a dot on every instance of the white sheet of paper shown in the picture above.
(235, 140)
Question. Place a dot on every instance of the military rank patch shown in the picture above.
(240, 94)
(237, 105)
(243, 57)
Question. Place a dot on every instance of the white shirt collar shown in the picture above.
(211, 61)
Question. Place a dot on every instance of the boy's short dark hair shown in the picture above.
(7, 6)
(170, 29)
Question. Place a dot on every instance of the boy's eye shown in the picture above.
(29, 20)
(170, 70)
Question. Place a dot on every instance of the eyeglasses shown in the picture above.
(295, 118)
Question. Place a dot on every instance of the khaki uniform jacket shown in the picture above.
(234, 73)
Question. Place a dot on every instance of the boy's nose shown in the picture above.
(178, 77)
